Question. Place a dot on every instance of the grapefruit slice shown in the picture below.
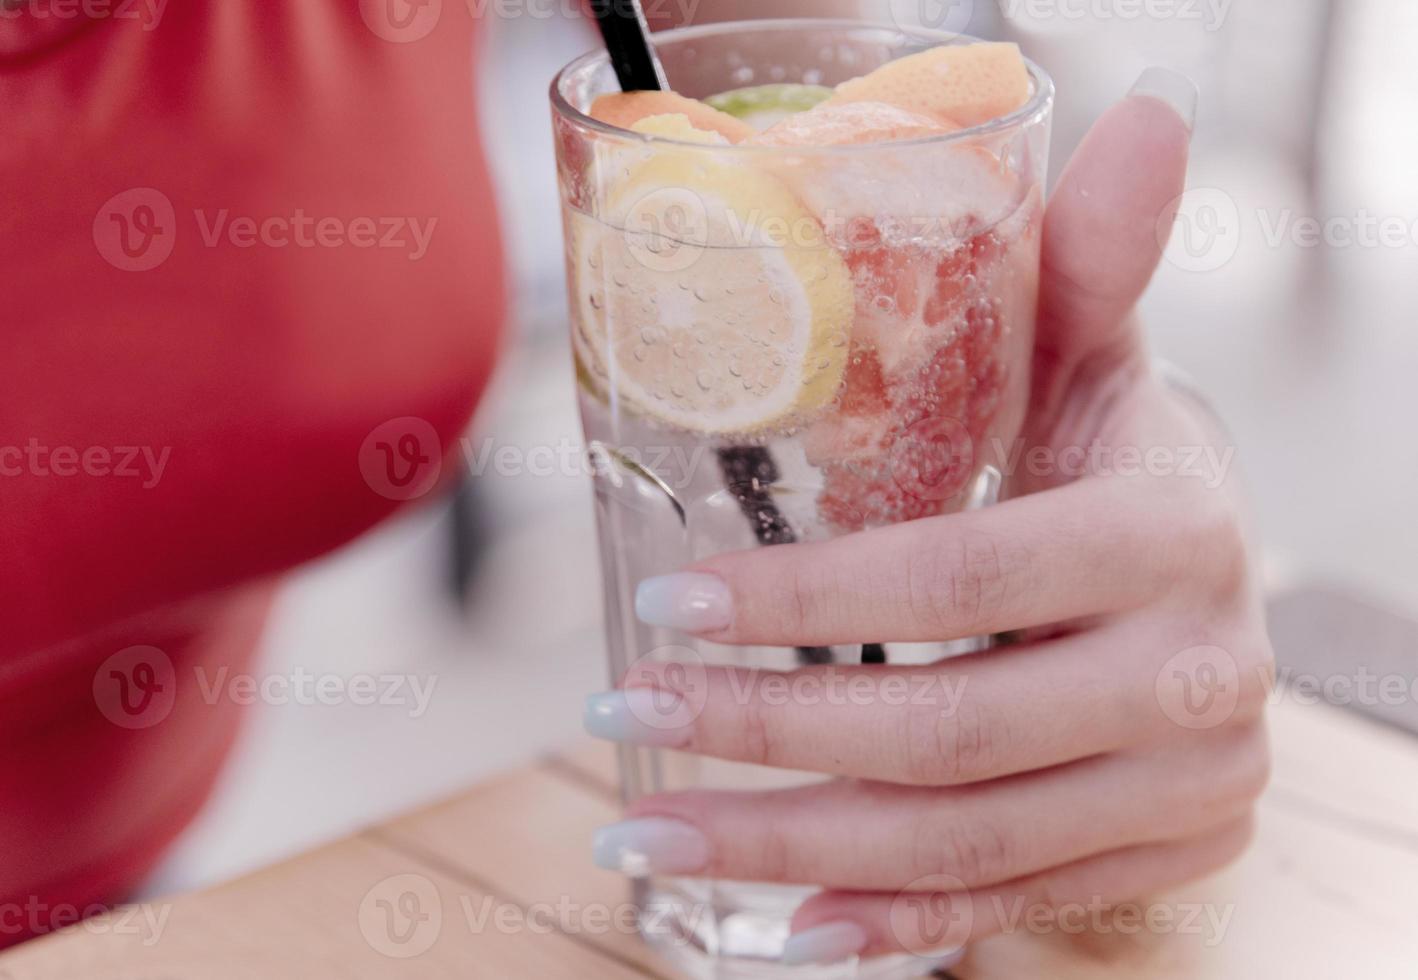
(940, 195)
(707, 298)
(625, 109)
(963, 84)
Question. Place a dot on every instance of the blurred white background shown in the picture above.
(1309, 351)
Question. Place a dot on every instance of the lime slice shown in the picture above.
(763, 105)
(707, 298)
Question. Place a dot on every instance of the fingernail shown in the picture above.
(828, 943)
(689, 601)
(651, 845)
(1171, 87)
(642, 716)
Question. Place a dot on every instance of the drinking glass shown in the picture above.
(777, 344)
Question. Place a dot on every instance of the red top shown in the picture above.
(239, 238)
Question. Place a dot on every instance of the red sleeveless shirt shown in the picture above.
(252, 291)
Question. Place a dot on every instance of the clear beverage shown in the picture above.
(779, 344)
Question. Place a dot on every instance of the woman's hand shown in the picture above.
(1117, 749)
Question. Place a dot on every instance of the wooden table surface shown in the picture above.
(497, 883)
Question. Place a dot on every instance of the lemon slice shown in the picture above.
(707, 298)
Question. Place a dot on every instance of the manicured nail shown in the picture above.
(689, 601)
(650, 845)
(1171, 87)
(641, 716)
(831, 942)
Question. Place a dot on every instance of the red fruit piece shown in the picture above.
(857, 427)
(915, 458)
(953, 278)
(886, 273)
(863, 387)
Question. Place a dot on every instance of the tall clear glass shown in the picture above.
(779, 344)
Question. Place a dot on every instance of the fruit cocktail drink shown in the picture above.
(802, 293)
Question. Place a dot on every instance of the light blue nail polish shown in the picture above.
(689, 601)
(831, 942)
(650, 845)
(641, 716)
(1171, 87)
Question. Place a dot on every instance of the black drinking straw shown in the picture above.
(627, 38)
(749, 471)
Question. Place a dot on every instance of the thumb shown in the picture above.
(1100, 242)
